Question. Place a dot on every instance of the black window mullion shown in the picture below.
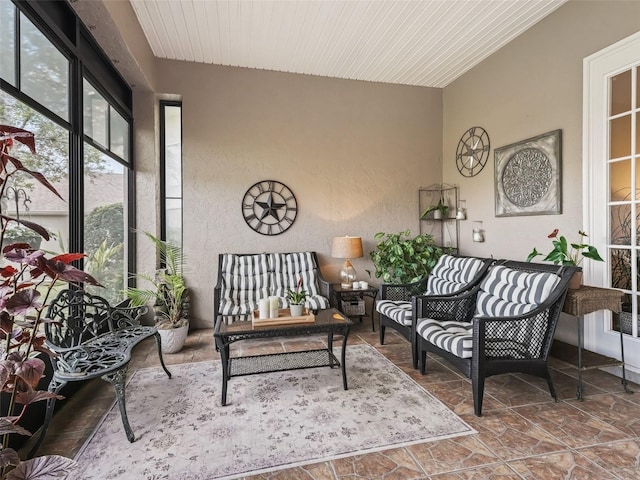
(76, 164)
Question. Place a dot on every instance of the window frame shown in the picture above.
(163, 176)
(59, 23)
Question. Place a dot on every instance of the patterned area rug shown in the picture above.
(271, 422)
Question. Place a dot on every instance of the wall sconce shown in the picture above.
(478, 233)
(461, 214)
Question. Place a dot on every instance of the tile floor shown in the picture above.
(522, 434)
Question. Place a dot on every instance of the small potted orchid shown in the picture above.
(569, 254)
(296, 299)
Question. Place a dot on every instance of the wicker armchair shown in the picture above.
(452, 275)
(505, 324)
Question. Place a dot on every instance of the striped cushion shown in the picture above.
(452, 274)
(287, 268)
(399, 312)
(508, 292)
(454, 337)
(244, 281)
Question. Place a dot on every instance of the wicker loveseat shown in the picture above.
(505, 324)
(452, 275)
(244, 279)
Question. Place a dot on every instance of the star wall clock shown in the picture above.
(472, 152)
(269, 207)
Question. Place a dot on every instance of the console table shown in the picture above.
(586, 300)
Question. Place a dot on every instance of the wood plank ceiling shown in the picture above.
(413, 42)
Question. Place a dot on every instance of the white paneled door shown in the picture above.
(611, 158)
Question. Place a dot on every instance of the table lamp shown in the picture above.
(347, 248)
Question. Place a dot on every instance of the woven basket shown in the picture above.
(353, 306)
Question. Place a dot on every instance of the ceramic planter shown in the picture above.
(296, 310)
(173, 338)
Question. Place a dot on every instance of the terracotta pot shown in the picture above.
(576, 281)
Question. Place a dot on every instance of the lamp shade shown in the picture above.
(346, 247)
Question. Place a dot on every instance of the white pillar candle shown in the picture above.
(264, 308)
(273, 307)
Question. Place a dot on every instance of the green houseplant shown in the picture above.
(296, 299)
(168, 293)
(566, 253)
(439, 210)
(400, 258)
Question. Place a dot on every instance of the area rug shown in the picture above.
(272, 421)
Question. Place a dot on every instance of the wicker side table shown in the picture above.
(586, 300)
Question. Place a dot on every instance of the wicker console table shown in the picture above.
(329, 321)
(586, 300)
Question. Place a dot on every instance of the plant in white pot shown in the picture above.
(169, 294)
(296, 299)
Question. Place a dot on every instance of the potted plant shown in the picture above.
(24, 291)
(569, 254)
(398, 258)
(439, 211)
(296, 299)
(169, 294)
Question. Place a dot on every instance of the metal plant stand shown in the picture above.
(579, 303)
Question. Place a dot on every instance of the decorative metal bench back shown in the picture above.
(78, 316)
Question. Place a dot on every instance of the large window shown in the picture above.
(105, 195)
(87, 157)
(26, 198)
(44, 70)
(171, 171)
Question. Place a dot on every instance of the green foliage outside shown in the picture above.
(52, 157)
(104, 242)
(104, 224)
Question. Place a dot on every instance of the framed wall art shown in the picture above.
(528, 176)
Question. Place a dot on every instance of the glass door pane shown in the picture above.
(624, 197)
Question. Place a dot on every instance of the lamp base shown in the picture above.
(347, 274)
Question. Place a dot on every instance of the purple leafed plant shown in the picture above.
(27, 277)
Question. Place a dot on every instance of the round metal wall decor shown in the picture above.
(473, 151)
(269, 207)
(533, 165)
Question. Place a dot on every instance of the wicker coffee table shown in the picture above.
(329, 321)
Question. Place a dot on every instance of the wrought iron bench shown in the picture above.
(91, 339)
(452, 275)
(505, 324)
